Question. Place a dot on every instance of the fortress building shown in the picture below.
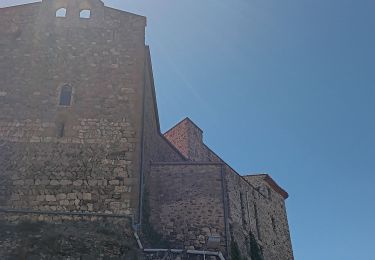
(79, 134)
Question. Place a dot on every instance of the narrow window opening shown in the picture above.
(114, 60)
(61, 12)
(243, 214)
(247, 206)
(273, 223)
(66, 95)
(269, 193)
(257, 221)
(85, 14)
(61, 130)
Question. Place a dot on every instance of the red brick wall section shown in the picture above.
(179, 137)
(188, 139)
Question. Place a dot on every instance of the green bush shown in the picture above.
(256, 253)
(234, 251)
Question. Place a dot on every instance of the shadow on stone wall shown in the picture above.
(66, 240)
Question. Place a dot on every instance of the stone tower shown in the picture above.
(70, 106)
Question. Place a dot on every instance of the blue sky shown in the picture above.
(283, 87)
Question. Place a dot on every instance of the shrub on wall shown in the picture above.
(234, 250)
(256, 253)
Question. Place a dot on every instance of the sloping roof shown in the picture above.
(273, 184)
(182, 121)
(20, 6)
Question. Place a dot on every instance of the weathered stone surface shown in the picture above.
(253, 205)
(50, 198)
(39, 54)
(186, 201)
(67, 239)
(86, 196)
(94, 154)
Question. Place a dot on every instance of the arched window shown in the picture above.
(85, 14)
(66, 95)
(61, 12)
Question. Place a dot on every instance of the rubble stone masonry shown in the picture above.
(185, 210)
(80, 133)
(84, 156)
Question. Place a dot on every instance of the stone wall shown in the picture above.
(102, 152)
(256, 209)
(255, 203)
(84, 131)
(66, 177)
(102, 60)
(33, 236)
(156, 148)
(84, 156)
(179, 136)
(187, 203)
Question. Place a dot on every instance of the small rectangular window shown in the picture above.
(257, 222)
(65, 96)
(244, 223)
(269, 193)
(60, 130)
